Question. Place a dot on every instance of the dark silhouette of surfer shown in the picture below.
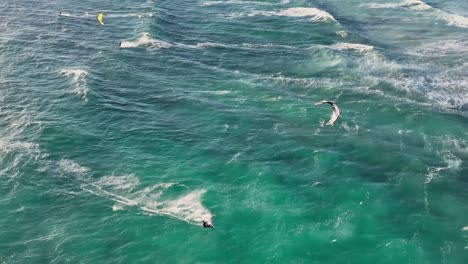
(207, 224)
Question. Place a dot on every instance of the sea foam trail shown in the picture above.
(139, 15)
(145, 40)
(78, 80)
(451, 19)
(127, 191)
(314, 13)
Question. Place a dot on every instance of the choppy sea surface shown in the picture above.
(115, 153)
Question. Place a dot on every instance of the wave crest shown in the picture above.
(144, 40)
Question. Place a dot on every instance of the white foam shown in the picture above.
(78, 80)
(126, 192)
(351, 46)
(119, 182)
(187, 208)
(416, 5)
(207, 45)
(465, 228)
(71, 166)
(453, 20)
(118, 207)
(66, 14)
(441, 48)
(139, 15)
(144, 40)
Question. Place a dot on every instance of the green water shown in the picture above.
(115, 154)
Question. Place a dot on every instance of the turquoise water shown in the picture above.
(115, 154)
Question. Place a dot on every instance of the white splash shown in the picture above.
(144, 40)
(187, 208)
(352, 46)
(78, 80)
(126, 191)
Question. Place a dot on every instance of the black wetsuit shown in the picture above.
(207, 225)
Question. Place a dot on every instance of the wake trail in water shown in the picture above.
(127, 191)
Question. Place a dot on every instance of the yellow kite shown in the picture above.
(99, 18)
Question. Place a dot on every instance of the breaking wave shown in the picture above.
(314, 13)
(144, 40)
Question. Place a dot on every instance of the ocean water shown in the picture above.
(115, 153)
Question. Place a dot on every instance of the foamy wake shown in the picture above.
(451, 19)
(351, 46)
(127, 191)
(145, 40)
(139, 15)
(314, 13)
(78, 80)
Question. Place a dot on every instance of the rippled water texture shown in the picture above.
(117, 140)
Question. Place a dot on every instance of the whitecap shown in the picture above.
(453, 20)
(410, 4)
(78, 80)
(315, 13)
(145, 40)
(351, 46)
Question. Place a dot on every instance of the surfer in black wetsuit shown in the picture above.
(207, 224)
